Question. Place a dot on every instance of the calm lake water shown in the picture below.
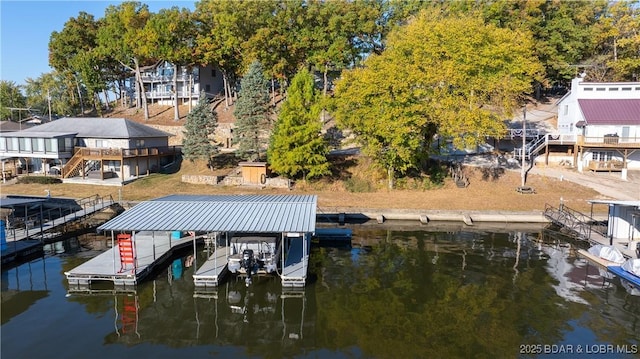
(397, 292)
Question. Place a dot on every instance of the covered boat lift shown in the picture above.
(211, 217)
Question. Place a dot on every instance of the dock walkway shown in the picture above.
(152, 249)
(294, 273)
(17, 234)
(212, 271)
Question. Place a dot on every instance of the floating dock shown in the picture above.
(296, 263)
(288, 217)
(152, 250)
(611, 267)
(213, 270)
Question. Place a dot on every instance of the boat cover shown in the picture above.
(632, 266)
(609, 253)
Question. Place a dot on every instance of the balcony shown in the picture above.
(609, 141)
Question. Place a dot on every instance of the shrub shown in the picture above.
(358, 185)
(39, 180)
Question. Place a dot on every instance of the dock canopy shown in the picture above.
(220, 213)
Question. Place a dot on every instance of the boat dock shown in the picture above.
(152, 250)
(288, 219)
(213, 270)
(24, 236)
(610, 267)
(587, 228)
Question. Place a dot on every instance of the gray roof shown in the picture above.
(220, 213)
(98, 127)
(40, 134)
(616, 202)
(12, 202)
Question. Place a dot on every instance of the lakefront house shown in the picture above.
(603, 119)
(88, 149)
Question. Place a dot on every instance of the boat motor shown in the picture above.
(248, 263)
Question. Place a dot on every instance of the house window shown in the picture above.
(213, 72)
(101, 143)
(601, 155)
(139, 143)
(613, 89)
(207, 88)
(600, 88)
(66, 145)
(626, 89)
(12, 144)
(24, 144)
(566, 110)
(588, 88)
(49, 144)
(112, 166)
(37, 144)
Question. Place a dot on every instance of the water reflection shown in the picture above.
(400, 292)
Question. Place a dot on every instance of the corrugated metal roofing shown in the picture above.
(98, 127)
(611, 112)
(224, 213)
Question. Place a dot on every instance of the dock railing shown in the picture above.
(26, 227)
(583, 225)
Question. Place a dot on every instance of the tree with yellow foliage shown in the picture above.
(452, 76)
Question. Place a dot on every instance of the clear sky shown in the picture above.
(25, 28)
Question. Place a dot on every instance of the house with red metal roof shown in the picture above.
(604, 120)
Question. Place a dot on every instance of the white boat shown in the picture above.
(251, 255)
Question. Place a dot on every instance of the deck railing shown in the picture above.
(126, 152)
(609, 141)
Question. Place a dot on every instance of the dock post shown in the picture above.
(467, 219)
(341, 218)
(424, 219)
(380, 218)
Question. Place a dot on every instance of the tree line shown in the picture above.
(408, 70)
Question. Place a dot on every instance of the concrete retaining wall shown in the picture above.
(467, 217)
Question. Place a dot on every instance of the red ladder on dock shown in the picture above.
(125, 248)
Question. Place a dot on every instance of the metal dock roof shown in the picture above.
(220, 213)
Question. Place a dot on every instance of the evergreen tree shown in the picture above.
(200, 125)
(252, 113)
(297, 147)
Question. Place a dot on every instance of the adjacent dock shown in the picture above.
(611, 267)
(152, 250)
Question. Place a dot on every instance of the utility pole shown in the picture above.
(524, 142)
(49, 101)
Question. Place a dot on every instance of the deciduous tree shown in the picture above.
(121, 36)
(11, 96)
(454, 76)
(171, 34)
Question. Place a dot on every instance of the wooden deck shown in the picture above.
(151, 252)
(294, 273)
(213, 270)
